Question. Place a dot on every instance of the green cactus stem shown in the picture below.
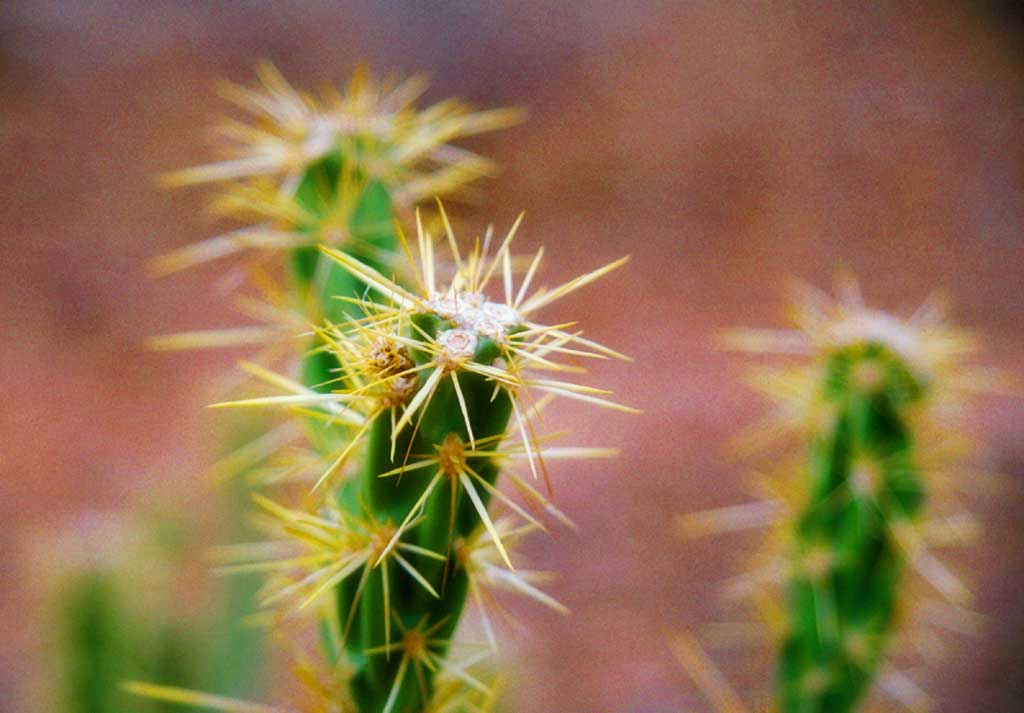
(451, 512)
(847, 566)
(417, 389)
(874, 401)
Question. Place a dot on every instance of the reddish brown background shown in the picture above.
(726, 146)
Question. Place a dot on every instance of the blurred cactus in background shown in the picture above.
(116, 599)
(876, 406)
(404, 390)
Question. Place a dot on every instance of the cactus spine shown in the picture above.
(410, 387)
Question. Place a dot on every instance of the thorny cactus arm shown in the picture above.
(435, 378)
(875, 406)
(863, 486)
(330, 170)
(419, 390)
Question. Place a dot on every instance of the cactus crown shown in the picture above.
(374, 122)
(329, 170)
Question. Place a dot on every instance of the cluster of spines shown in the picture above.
(407, 387)
(853, 514)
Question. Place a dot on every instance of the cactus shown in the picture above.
(415, 389)
(863, 484)
(113, 611)
(328, 171)
(432, 380)
(873, 407)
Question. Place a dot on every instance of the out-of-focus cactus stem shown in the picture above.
(872, 404)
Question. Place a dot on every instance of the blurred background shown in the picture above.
(727, 146)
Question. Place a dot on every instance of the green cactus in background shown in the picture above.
(103, 641)
(415, 389)
(874, 406)
(116, 618)
(92, 645)
(863, 485)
